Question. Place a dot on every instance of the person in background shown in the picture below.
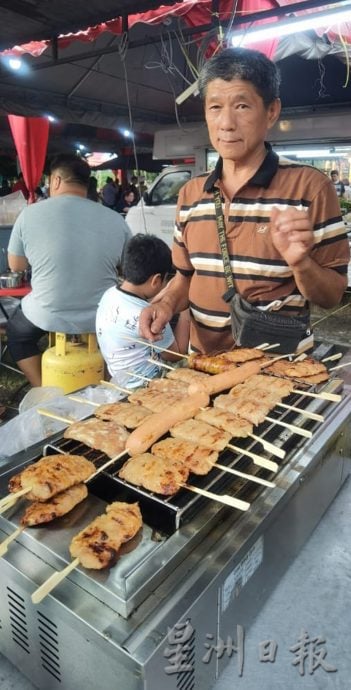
(20, 186)
(126, 201)
(339, 186)
(109, 193)
(286, 240)
(73, 246)
(134, 186)
(146, 263)
(93, 193)
(347, 188)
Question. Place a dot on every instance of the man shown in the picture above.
(109, 193)
(285, 237)
(73, 246)
(339, 186)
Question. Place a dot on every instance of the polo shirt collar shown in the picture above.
(262, 177)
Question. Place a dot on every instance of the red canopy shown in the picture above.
(30, 135)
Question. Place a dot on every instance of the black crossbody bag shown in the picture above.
(252, 326)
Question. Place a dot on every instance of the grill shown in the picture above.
(169, 513)
(196, 560)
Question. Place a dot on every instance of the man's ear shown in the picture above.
(273, 112)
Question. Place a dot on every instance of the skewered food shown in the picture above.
(124, 413)
(51, 475)
(237, 427)
(201, 434)
(303, 371)
(199, 460)
(261, 382)
(168, 386)
(154, 400)
(227, 379)
(61, 504)
(215, 364)
(186, 375)
(142, 438)
(254, 411)
(155, 473)
(242, 354)
(109, 437)
(209, 364)
(97, 545)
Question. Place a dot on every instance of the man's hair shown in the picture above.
(245, 64)
(334, 172)
(73, 169)
(145, 256)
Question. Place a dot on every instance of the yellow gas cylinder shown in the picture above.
(73, 362)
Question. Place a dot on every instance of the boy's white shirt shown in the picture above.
(117, 316)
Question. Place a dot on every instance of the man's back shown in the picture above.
(73, 246)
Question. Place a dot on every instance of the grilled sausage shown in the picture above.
(227, 379)
(159, 423)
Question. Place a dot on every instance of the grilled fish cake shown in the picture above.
(124, 413)
(199, 460)
(155, 473)
(236, 426)
(61, 504)
(109, 437)
(201, 434)
(51, 475)
(98, 544)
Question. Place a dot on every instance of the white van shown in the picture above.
(155, 212)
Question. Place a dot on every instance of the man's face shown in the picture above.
(334, 177)
(237, 118)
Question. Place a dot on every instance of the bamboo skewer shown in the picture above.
(244, 475)
(10, 500)
(6, 543)
(333, 397)
(155, 347)
(340, 366)
(278, 452)
(299, 410)
(258, 460)
(220, 498)
(295, 429)
(332, 358)
(52, 582)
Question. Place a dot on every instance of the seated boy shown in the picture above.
(146, 263)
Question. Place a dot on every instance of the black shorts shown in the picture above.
(22, 336)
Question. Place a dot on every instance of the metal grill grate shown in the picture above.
(49, 646)
(18, 620)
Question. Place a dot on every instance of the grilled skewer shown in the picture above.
(157, 474)
(41, 512)
(97, 545)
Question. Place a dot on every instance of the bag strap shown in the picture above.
(228, 295)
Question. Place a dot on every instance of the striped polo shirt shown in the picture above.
(260, 274)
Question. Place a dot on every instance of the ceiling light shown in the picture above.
(15, 63)
(51, 118)
(127, 133)
(292, 25)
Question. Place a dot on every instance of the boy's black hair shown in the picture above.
(145, 256)
(248, 65)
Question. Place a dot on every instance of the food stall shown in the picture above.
(196, 571)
